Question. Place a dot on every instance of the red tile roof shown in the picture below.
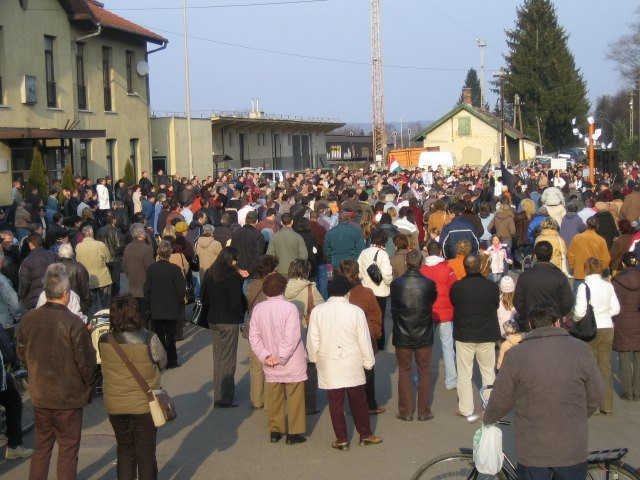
(113, 21)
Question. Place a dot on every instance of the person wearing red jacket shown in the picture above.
(436, 268)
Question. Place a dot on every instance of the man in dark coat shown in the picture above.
(475, 301)
(412, 299)
(456, 230)
(552, 382)
(543, 283)
(78, 276)
(112, 237)
(32, 271)
(250, 243)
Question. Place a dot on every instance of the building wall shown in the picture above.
(22, 45)
(169, 139)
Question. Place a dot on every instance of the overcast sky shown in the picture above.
(416, 33)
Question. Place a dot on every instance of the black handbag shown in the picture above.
(586, 329)
(374, 272)
(7, 348)
(194, 263)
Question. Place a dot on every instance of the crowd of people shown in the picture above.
(305, 269)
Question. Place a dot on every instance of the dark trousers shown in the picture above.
(115, 268)
(370, 379)
(180, 325)
(359, 411)
(64, 427)
(629, 363)
(136, 438)
(404, 357)
(143, 310)
(12, 402)
(556, 473)
(311, 389)
(382, 302)
(225, 352)
(166, 331)
(101, 298)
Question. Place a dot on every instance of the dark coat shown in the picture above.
(552, 382)
(543, 283)
(412, 299)
(475, 303)
(78, 281)
(250, 244)
(112, 237)
(31, 276)
(138, 256)
(454, 231)
(223, 301)
(57, 349)
(626, 334)
(607, 228)
(223, 233)
(164, 290)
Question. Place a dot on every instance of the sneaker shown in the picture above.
(343, 446)
(372, 440)
(18, 452)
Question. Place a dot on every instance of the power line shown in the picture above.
(313, 57)
(202, 7)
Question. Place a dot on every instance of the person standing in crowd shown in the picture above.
(126, 404)
(225, 306)
(412, 298)
(498, 258)
(399, 260)
(363, 297)
(475, 301)
(339, 343)
(56, 348)
(104, 202)
(95, 257)
(621, 245)
(463, 248)
(249, 242)
(78, 276)
(455, 231)
(207, 249)
(586, 245)
(377, 254)
(276, 341)
(32, 270)
(604, 301)
(544, 282)
(548, 371)
(112, 237)
(626, 332)
(435, 267)
(343, 242)
(137, 257)
(287, 245)
(164, 290)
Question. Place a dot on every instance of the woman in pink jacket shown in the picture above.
(275, 339)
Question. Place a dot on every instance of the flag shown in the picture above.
(394, 166)
(484, 170)
(509, 179)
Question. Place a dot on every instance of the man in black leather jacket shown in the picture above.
(412, 299)
(112, 237)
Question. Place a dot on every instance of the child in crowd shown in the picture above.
(506, 310)
(513, 337)
(500, 260)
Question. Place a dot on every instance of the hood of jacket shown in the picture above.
(629, 279)
(433, 260)
(503, 214)
(205, 242)
(194, 225)
(295, 286)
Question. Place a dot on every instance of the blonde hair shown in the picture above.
(528, 207)
(366, 223)
(169, 231)
(393, 213)
(506, 298)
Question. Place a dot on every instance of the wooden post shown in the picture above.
(592, 156)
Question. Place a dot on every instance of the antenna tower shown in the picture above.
(377, 120)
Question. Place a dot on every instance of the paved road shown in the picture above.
(204, 443)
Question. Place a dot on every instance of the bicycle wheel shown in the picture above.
(452, 466)
(602, 471)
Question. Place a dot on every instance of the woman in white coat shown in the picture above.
(377, 254)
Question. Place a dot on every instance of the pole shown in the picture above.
(539, 135)
(631, 117)
(592, 154)
(401, 134)
(481, 45)
(187, 86)
(502, 145)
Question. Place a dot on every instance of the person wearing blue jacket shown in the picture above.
(456, 230)
(343, 242)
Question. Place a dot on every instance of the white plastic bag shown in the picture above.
(487, 450)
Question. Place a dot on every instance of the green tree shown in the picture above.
(628, 150)
(38, 176)
(543, 72)
(473, 82)
(66, 182)
(129, 175)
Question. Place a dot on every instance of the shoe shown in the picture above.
(402, 417)
(460, 414)
(313, 412)
(18, 452)
(275, 437)
(293, 439)
(451, 389)
(377, 410)
(372, 440)
(606, 413)
(257, 408)
(225, 405)
(177, 365)
(340, 446)
(424, 418)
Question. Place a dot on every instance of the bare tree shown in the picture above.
(626, 52)
(348, 130)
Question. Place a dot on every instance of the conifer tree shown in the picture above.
(66, 182)
(473, 82)
(129, 175)
(38, 176)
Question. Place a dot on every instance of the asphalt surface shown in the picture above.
(221, 444)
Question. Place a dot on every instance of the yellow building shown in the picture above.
(74, 83)
(472, 135)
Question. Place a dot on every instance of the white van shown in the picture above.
(273, 175)
(435, 159)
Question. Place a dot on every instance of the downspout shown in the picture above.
(146, 57)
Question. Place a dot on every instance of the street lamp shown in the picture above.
(590, 140)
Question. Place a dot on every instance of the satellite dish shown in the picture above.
(142, 68)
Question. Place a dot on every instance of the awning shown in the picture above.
(9, 133)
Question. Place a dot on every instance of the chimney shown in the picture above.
(466, 95)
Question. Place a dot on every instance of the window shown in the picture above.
(85, 156)
(230, 139)
(131, 59)
(111, 155)
(49, 71)
(259, 139)
(82, 88)
(464, 126)
(133, 156)
(106, 78)
(1, 64)
(289, 139)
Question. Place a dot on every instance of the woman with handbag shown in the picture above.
(304, 294)
(374, 262)
(603, 299)
(124, 399)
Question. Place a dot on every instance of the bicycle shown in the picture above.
(602, 464)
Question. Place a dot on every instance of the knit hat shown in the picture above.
(507, 285)
(181, 227)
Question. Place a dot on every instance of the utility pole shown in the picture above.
(187, 85)
(401, 132)
(481, 44)
(502, 76)
(377, 128)
(631, 117)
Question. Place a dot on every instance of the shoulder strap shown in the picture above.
(310, 304)
(588, 292)
(134, 371)
(375, 258)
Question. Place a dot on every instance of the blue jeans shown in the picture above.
(195, 278)
(445, 332)
(322, 282)
(554, 473)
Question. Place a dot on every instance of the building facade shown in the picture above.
(73, 84)
(353, 148)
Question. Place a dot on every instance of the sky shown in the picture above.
(436, 39)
